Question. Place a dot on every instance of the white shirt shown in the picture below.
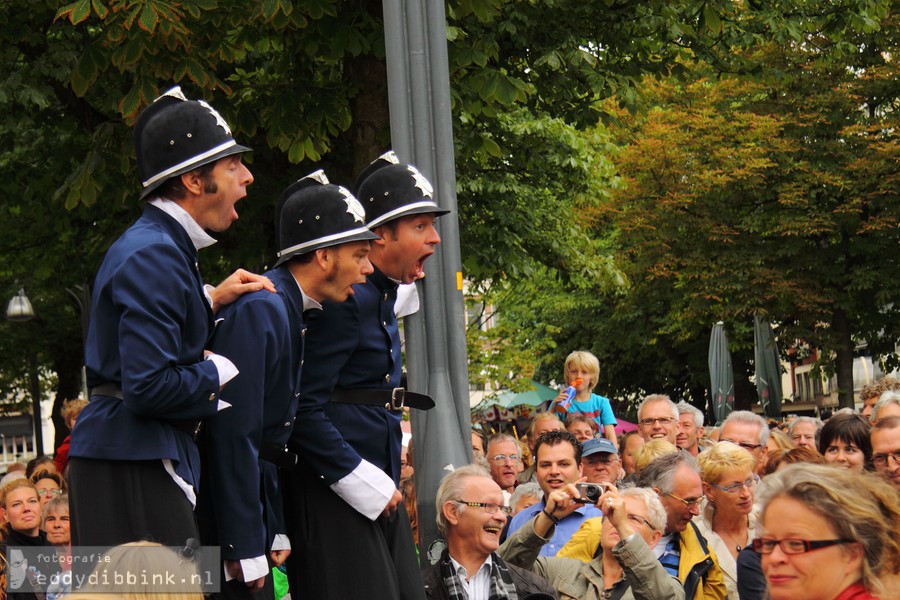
(479, 586)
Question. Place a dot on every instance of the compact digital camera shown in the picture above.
(590, 492)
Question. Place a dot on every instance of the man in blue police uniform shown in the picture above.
(134, 465)
(324, 248)
(350, 529)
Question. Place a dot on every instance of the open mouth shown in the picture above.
(493, 528)
(420, 265)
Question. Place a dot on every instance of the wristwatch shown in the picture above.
(625, 540)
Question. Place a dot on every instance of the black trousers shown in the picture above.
(115, 502)
(340, 554)
(237, 590)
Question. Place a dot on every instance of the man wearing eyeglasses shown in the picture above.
(658, 418)
(682, 550)
(600, 461)
(470, 515)
(503, 459)
(886, 449)
(626, 568)
(750, 432)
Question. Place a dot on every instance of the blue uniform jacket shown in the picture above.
(262, 333)
(150, 323)
(352, 344)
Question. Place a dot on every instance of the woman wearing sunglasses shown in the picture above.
(828, 534)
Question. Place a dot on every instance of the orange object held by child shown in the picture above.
(562, 406)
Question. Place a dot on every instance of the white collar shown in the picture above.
(308, 303)
(199, 238)
(457, 566)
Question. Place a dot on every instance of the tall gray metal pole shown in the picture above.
(422, 134)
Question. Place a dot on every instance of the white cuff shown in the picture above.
(252, 568)
(207, 293)
(281, 542)
(180, 482)
(366, 488)
(226, 370)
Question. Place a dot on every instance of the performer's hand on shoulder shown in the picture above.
(237, 284)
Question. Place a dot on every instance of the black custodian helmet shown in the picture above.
(389, 190)
(313, 214)
(175, 135)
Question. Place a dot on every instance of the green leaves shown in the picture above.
(540, 197)
(711, 19)
(76, 12)
(149, 18)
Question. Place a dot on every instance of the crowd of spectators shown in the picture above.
(804, 509)
(798, 510)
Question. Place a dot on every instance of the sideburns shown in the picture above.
(209, 184)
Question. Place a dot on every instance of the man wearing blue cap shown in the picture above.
(323, 246)
(343, 496)
(134, 464)
(600, 461)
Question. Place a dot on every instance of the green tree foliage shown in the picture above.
(304, 84)
(751, 196)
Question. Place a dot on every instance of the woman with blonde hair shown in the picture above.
(778, 441)
(650, 451)
(726, 519)
(22, 510)
(828, 534)
(155, 572)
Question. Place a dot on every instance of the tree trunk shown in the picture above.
(68, 372)
(843, 358)
(370, 133)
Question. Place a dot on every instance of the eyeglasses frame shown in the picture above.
(736, 487)
(506, 510)
(808, 545)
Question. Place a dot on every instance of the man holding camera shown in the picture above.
(558, 463)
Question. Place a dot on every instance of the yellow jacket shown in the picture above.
(695, 565)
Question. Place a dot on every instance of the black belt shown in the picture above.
(279, 456)
(107, 389)
(394, 399)
(192, 427)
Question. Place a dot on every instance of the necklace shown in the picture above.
(737, 546)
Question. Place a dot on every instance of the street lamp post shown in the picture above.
(20, 310)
